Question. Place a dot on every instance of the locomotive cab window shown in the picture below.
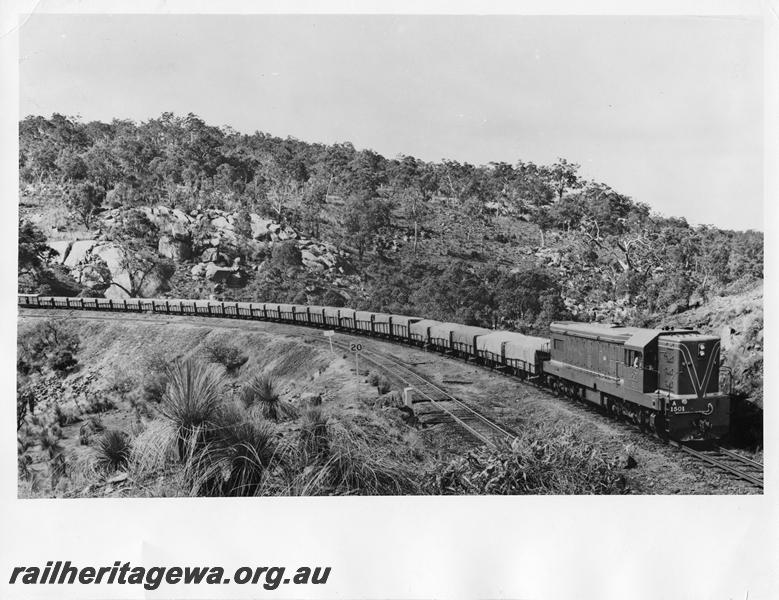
(634, 359)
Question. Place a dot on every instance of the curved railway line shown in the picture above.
(714, 456)
(475, 423)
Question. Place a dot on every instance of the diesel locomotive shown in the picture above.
(664, 380)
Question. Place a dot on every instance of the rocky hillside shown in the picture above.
(177, 208)
(204, 247)
(738, 320)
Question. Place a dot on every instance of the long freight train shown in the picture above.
(665, 380)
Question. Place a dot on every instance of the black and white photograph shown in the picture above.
(333, 254)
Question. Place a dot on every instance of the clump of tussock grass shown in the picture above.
(49, 440)
(154, 448)
(191, 401)
(66, 416)
(50, 443)
(23, 463)
(314, 440)
(545, 460)
(89, 429)
(333, 460)
(85, 472)
(260, 394)
(112, 450)
(235, 458)
(293, 358)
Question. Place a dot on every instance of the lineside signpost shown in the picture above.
(329, 335)
(356, 349)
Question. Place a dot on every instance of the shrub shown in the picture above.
(260, 393)
(66, 416)
(153, 387)
(25, 401)
(383, 386)
(234, 460)
(99, 404)
(155, 361)
(191, 400)
(49, 343)
(120, 383)
(112, 450)
(333, 298)
(62, 362)
(286, 254)
(49, 441)
(348, 465)
(381, 383)
(543, 461)
(226, 355)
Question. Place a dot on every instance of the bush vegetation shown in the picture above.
(112, 450)
(226, 355)
(191, 401)
(260, 394)
(550, 460)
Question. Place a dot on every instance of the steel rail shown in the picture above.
(450, 398)
(140, 314)
(402, 372)
(743, 459)
(719, 464)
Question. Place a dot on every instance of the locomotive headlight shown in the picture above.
(701, 349)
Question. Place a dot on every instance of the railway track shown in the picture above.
(445, 404)
(728, 461)
(473, 422)
(448, 407)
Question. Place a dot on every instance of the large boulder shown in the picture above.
(62, 248)
(79, 251)
(260, 227)
(308, 256)
(176, 248)
(210, 255)
(113, 257)
(199, 270)
(181, 216)
(221, 223)
(219, 274)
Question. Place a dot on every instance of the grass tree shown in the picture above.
(261, 393)
(191, 401)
